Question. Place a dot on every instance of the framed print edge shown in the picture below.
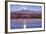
(6, 17)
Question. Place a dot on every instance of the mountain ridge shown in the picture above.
(26, 11)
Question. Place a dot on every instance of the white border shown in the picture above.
(30, 29)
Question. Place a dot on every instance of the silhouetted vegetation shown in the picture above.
(25, 15)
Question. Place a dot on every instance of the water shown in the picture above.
(30, 23)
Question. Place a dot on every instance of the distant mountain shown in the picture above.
(27, 11)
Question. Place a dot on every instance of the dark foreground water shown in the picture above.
(30, 23)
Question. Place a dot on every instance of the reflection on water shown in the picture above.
(30, 23)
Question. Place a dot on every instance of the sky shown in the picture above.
(25, 7)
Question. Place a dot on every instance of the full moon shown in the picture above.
(24, 8)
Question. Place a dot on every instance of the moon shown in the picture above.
(24, 8)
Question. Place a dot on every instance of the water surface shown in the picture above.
(30, 23)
